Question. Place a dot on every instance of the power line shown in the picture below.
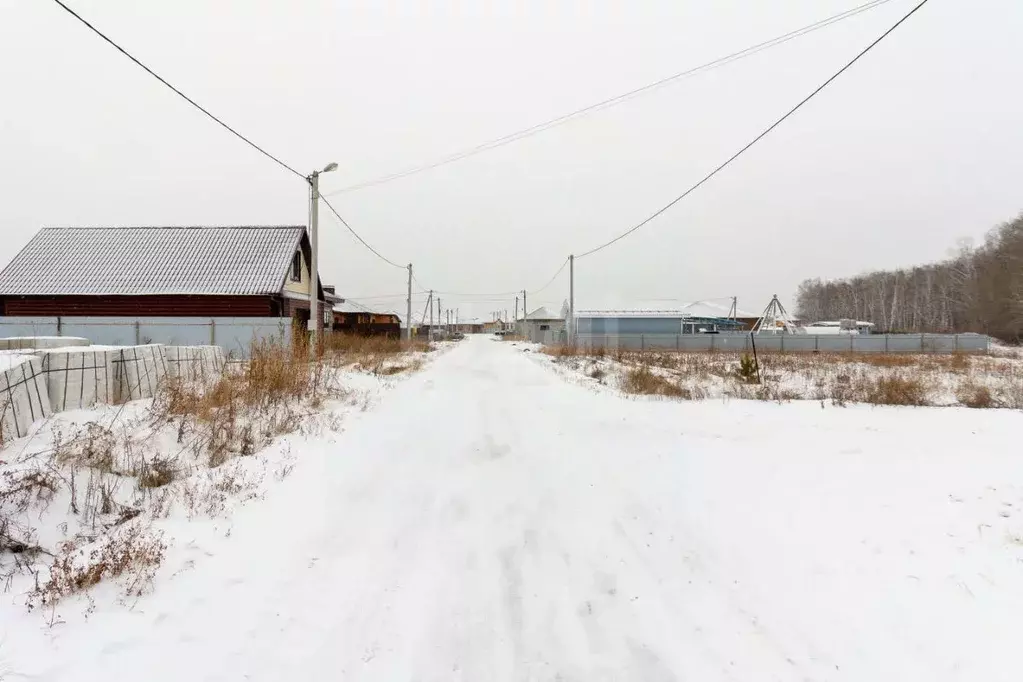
(361, 240)
(551, 281)
(383, 296)
(178, 92)
(758, 137)
(565, 118)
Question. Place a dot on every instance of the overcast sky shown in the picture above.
(920, 144)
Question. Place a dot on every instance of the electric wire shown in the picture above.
(565, 118)
(178, 92)
(759, 137)
(551, 281)
(356, 234)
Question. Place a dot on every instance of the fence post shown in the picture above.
(642, 341)
(955, 342)
(782, 348)
(816, 342)
(60, 326)
(921, 343)
(678, 342)
(885, 343)
(138, 337)
(711, 340)
(213, 332)
(851, 349)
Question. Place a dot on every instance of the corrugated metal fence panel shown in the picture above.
(233, 334)
(175, 331)
(795, 343)
(236, 334)
(28, 326)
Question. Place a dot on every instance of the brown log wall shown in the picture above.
(147, 306)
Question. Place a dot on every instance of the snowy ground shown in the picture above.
(940, 380)
(491, 519)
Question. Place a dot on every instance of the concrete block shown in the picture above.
(20, 342)
(23, 397)
(80, 378)
(139, 371)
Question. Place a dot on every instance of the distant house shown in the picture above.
(649, 322)
(351, 317)
(162, 271)
(541, 324)
(840, 327)
(708, 312)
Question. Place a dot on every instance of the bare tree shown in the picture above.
(976, 289)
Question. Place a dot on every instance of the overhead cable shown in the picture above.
(759, 137)
(178, 92)
(361, 240)
(617, 99)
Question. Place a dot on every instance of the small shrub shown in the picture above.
(597, 372)
(132, 554)
(95, 448)
(748, 370)
(563, 351)
(158, 473)
(895, 390)
(25, 489)
(642, 381)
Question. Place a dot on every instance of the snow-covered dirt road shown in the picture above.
(491, 520)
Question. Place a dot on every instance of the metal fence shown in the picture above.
(233, 334)
(831, 343)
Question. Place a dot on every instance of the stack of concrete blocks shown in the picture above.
(79, 378)
(23, 398)
(200, 364)
(65, 373)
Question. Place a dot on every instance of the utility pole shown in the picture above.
(516, 314)
(456, 319)
(408, 301)
(525, 308)
(430, 338)
(571, 300)
(314, 244)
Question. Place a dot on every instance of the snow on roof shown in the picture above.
(630, 313)
(714, 309)
(350, 306)
(153, 260)
(838, 323)
(542, 313)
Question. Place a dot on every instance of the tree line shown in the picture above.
(979, 289)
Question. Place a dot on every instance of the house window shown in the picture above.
(296, 267)
(544, 327)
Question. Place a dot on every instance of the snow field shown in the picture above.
(921, 380)
(493, 519)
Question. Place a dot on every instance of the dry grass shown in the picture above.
(568, 351)
(976, 395)
(974, 380)
(132, 554)
(245, 408)
(892, 390)
(127, 469)
(643, 381)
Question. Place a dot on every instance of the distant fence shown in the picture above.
(233, 334)
(831, 343)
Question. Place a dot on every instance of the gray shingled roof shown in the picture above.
(153, 260)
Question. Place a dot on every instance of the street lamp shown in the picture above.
(314, 243)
